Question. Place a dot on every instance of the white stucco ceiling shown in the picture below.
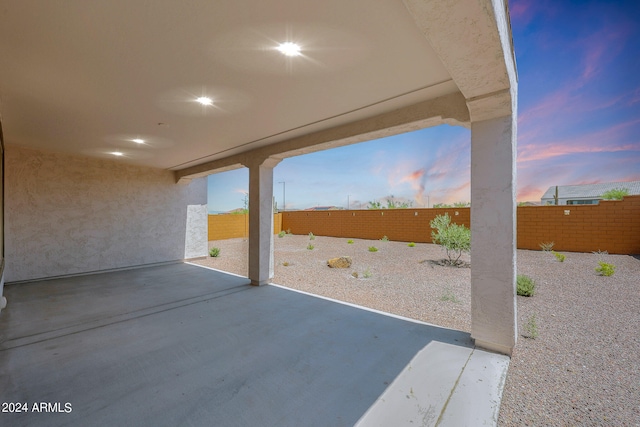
(87, 77)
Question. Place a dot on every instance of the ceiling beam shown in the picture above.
(449, 109)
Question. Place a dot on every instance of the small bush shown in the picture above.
(454, 238)
(286, 264)
(311, 236)
(605, 269)
(373, 249)
(350, 242)
(531, 327)
(559, 257)
(615, 194)
(448, 295)
(281, 234)
(547, 246)
(526, 285)
(367, 274)
(384, 239)
(355, 274)
(411, 244)
(288, 231)
(310, 246)
(214, 252)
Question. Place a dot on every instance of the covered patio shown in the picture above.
(179, 344)
(112, 115)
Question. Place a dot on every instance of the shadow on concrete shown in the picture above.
(184, 345)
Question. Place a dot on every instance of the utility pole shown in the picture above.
(284, 200)
(348, 204)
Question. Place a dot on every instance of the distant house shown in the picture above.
(586, 194)
(324, 208)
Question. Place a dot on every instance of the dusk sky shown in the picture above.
(578, 122)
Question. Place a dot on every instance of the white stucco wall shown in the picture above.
(69, 214)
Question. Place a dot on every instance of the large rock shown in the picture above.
(342, 262)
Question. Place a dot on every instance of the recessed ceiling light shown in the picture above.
(138, 141)
(204, 100)
(117, 153)
(289, 49)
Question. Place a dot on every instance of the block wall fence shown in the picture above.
(230, 226)
(612, 226)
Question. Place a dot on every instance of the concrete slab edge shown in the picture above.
(475, 400)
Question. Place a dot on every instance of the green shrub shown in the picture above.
(281, 234)
(384, 239)
(531, 327)
(547, 246)
(605, 269)
(367, 274)
(448, 295)
(310, 246)
(214, 252)
(559, 257)
(455, 239)
(526, 285)
(311, 236)
(373, 249)
(350, 242)
(411, 244)
(615, 194)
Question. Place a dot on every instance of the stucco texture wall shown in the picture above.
(69, 214)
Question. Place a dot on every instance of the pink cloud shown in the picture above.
(520, 10)
(601, 47)
(555, 101)
(416, 181)
(530, 193)
(523, 11)
(590, 143)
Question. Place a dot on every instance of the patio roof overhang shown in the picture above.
(100, 78)
(89, 78)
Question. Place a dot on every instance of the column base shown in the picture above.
(260, 282)
(497, 348)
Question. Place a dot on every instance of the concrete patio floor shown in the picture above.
(179, 344)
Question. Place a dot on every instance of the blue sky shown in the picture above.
(578, 122)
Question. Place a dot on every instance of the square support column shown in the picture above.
(493, 233)
(261, 219)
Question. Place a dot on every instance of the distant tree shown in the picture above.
(442, 205)
(392, 203)
(245, 206)
(615, 194)
(461, 205)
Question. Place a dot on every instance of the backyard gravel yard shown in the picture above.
(583, 369)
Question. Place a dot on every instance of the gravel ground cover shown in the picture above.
(583, 369)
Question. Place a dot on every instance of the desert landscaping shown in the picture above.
(576, 361)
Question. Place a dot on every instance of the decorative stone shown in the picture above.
(342, 262)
